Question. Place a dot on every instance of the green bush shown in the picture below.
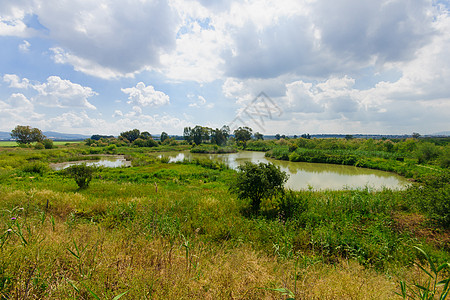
(48, 143)
(433, 197)
(39, 146)
(257, 182)
(81, 173)
(35, 167)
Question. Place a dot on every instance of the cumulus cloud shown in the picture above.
(329, 38)
(142, 95)
(122, 37)
(58, 92)
(19, 109)
(15, 81)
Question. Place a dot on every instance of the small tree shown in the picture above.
(257, 182)
(27, 135)
(81, 173)
(164, 136)
(243, 134)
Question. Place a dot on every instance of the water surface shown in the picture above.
(307, 175)
(109, 161)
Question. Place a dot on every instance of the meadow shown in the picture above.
(175, 231)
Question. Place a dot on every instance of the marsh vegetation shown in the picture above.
(180, 230)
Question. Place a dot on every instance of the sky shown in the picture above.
(277, 66)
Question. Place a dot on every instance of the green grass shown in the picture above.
(56, 143)
(159, 230)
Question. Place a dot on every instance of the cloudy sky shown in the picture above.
(342, 66)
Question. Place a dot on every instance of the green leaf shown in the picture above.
(119, 296)
(443, 266)
(430, 262)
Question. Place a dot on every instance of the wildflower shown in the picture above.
(13, 218)
(21, 208)
(9, 230)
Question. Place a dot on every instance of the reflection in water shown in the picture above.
(306, 175)
(107, 161)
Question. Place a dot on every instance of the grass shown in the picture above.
(160, 230)
(55, 143)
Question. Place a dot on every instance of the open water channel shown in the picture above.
(307, 175)
(301, 175)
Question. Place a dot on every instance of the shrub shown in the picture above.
(433, 196)
(48, 144)
(81, 173)
(257, 182)
(39, 146)
(35, 167)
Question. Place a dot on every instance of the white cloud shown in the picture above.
(200, 102)
(15, 81)
(60, 56)
(25, 46)
(122, 37)
(57, 92)
(117, 114)
(142, 95)
(17, 110)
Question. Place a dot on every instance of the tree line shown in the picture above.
(201, 134)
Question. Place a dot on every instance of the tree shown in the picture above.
(243, 134)
(220, 136)
(187, 134)
(164, 136)
(145, 135)
(130, 135)
(258, 136)
(415, 135)
(257, 182)
(27, 135)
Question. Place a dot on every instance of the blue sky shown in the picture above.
(344, 66)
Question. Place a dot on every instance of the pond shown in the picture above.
(109, 161)
(307, 175)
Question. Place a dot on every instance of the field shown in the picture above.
(56, 143)
(176, 231)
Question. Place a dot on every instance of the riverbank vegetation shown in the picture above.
(176, 230)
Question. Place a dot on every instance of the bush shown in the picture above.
(48, 144)
(81, 173)
(433, 196)
(257, 182)
(39, 146)
(35, 167)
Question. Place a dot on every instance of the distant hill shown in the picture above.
(442, 133)
(56, 136)
(65, 136)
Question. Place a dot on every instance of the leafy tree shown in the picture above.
(257, 182)
(187, 134)
(415, 135)
(81, 173)
(258, 136)
(27, 135)
(277, 136)
(164, 136)
(220, 136)
(145, 135)
(130, 135)
(98, 137)
(243, 134)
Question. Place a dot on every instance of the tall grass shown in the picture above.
(174, 231)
